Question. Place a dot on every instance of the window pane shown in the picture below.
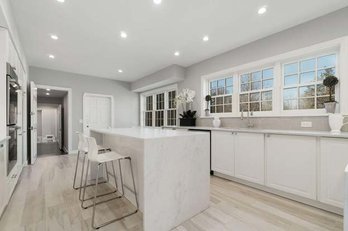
(322, 90)
(307, 103)
(291, 68)
(291, 80)
(255, 86)
(171, 99)
(267, 95)
(267, 74)
(221, 91)
(244, 98)
(160, 101)
(213, 100)
(219, 100)
(266, 106)
(307, 91)
(229, 90)
(213, 84)
(228, 100)
(254, 97)
(213, 92)
(327, 61)
(254, 106)
(290, 104)
(321, 72)
(307, 77)
(229, 81)
(245, 87)
(212, 109)
(256, 76)
(267, 84)
(159, 118)
(149, 103)
(321, 101)
(244, 107)
(228, 108)
(219, 109)
(245, 78)
(221, 83)
(307, 65)
(290, 93)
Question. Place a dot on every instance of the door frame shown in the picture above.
(69, 90)
(86, 94)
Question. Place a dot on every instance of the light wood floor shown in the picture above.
(44, 200)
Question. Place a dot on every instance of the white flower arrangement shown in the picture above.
(185, 97)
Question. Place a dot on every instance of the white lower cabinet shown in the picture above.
(291, 164)
(222, 157)
(250, 157)
(333, 160)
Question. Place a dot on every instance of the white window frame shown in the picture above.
(216, 79)
(338, 46)
(154, 92)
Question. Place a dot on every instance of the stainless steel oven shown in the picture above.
(12, 95)
(12, 114)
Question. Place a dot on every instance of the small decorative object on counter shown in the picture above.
(330, 81)
(336, 123)
(216, 122)
(188, 116)
(207, 99)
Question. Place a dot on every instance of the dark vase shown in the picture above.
(188, 122)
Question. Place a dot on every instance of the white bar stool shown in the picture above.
(103, 159)
(83, 149)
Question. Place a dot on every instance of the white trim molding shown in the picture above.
(338, 46)
(69, 90)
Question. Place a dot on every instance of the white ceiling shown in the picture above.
(89, 41)
(52, 93)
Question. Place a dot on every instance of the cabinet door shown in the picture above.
(291, 164)
(222, 155)
(249, 157)
(3, 183)
(333, 160)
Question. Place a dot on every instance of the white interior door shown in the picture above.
(33, 122)
(59, 127)
(97, 112)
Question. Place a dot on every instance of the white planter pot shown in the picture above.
(336, 122)
(216, 122)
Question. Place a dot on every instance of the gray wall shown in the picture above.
(126, 103)
(322, 29)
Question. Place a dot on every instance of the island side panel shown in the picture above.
(177, 180)
(134, 148)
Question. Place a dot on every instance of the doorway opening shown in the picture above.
(52, 121)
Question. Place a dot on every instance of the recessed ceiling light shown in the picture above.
(206, 38)
(157, 2)
(123, 34)
(61, 1)
(47, 93)
(48, 89)
(177, 53)
(262, 10)
(54, 37)
(51, 56)
(120, 71)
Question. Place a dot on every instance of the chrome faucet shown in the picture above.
(249, 113)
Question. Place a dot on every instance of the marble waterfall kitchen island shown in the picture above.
(171, 170)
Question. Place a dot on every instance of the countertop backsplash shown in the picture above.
(319, 123)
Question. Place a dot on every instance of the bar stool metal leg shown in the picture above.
(119, 218)
(83, 199)
(77, 163)
(95, 199)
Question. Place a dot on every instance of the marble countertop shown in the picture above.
(145, 133)
(270, 131)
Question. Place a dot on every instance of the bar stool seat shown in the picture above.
(83, 149)
(108, 156)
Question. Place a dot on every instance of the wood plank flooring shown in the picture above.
(44, 200)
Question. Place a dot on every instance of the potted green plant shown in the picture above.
(330, 81)
(207, 100)
(188, 116)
